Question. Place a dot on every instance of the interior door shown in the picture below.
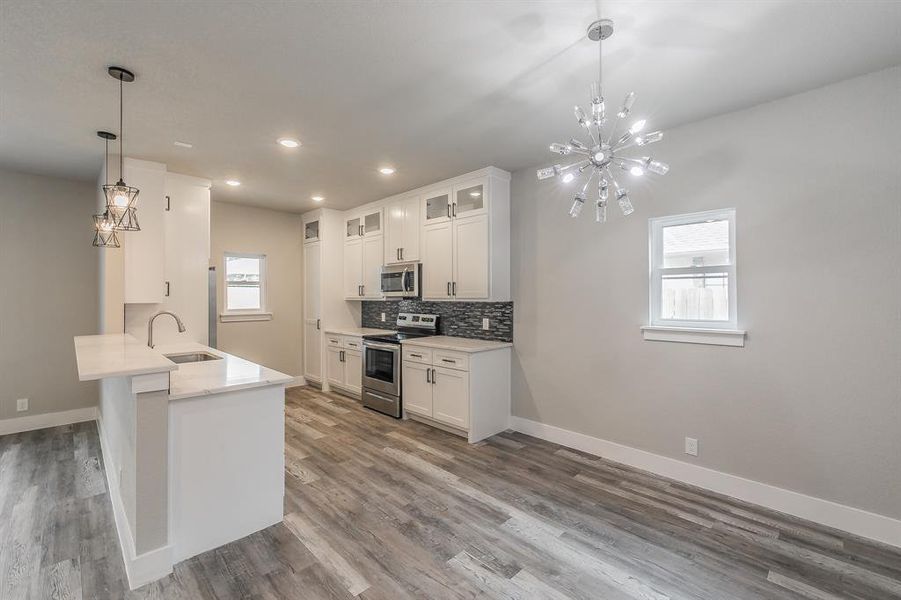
(471, 257)
(412, 228)
(417, 394)
(394, 231)
(334, 366)
(353, 268)
(451, 397)
(312, 338)
(371, 262)
(437, 261)
(353, 370)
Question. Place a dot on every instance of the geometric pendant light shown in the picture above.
(121, 198)
(104, 223)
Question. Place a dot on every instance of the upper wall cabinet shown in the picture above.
(466, 240)
(363, 256)
(364, 224)
(144, 251)
(402, 225)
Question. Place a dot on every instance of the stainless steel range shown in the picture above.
(382, 358)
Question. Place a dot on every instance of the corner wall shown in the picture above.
(49, 291)
(811, 403)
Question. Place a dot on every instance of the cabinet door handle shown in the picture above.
(362, 289)
(318, 324)
(447, 360)
(401, 253)
(167, 289)
(168, 205)
(434, 377)
(454, 210)
(448, 210)
(448, 288)
(427, 376)
(416, 355)
(397, 253)
(454, 288)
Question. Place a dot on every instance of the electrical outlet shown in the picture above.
(485, 323)
(691, 446)
(22, 404)
(383, 317)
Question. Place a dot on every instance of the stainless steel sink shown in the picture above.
(191, 357)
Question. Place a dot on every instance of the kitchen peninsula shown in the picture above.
(193, 446)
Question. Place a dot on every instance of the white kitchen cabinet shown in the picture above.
(363, 259)
(466, 247)
(367, 223)
(471, 257)
(450, 400)
(186, 231)
(344, 362)
(144, 251)
(311, 231)
(312, 333)
(334, 365)
(417, 384)
(402, 228)
(467, 393)
(353, 269)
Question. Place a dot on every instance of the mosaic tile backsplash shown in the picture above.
(462, 319)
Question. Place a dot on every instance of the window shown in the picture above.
(692, 268)
(245, 287)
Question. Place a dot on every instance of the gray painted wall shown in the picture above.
(812, 403)
(276, 344)
(48, 292)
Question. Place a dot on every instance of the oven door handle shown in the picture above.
(380, 397)
(380, 346)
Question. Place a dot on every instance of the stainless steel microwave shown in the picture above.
(401, 281)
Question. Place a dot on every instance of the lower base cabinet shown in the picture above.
(471, 397)
(344, 363)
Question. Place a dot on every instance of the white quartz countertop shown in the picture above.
(458, 344)
(231, 373)
(123, 355)
(357, 331)
(117, 355)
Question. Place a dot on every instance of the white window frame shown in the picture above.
(251, 314)
(703, 332)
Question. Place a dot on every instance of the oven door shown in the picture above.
(400, 281)
(381, 367)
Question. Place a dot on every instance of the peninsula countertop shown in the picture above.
(122, 355)
(231, 373)
(458, 344)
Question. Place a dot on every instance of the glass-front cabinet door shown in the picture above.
(437, 206)
(372, 223)
(469, 198)
(311, 232)
(353, 229)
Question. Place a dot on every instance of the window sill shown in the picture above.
(238, 317)
(693, 335)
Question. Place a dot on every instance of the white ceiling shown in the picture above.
(433, 88)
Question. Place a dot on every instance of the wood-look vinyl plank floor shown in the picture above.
(379, 509)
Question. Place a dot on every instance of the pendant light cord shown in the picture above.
(121, 132)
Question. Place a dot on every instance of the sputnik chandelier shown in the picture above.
(603, 155)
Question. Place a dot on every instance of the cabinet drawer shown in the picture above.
(451, 360)
(352, 343)
(418, 355)
(333, 340)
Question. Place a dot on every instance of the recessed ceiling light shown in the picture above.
(289, 142)
(183, 144)
(387, 170)
(318, 198)
(232, 182)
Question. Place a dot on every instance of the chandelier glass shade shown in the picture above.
(602, 157)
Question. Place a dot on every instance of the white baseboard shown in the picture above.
(298, 382)
(42, 421)
(853, 520)
(140, 569)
